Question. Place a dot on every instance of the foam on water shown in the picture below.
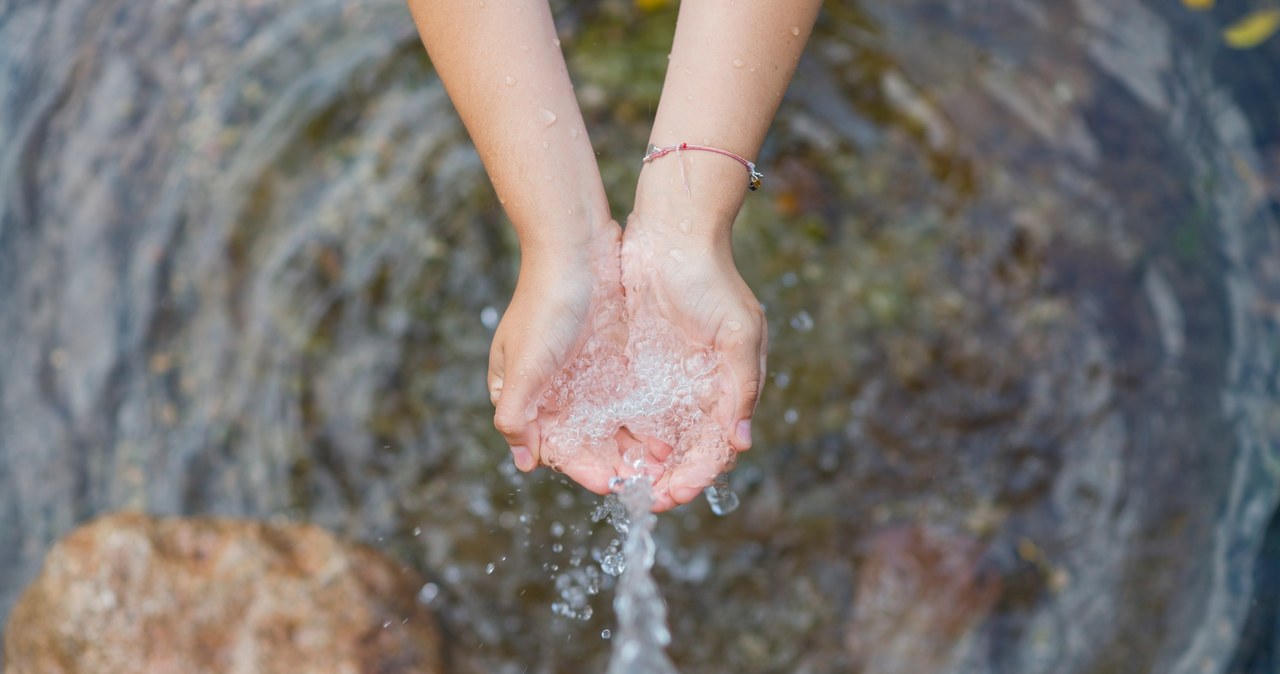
(636, 381)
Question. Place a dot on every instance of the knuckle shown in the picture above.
(507, 423)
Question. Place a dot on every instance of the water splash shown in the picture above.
(642, 636)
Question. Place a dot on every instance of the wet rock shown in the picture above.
(131, 593)
(920, 592)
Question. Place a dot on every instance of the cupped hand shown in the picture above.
(558, 296)
(671, 268)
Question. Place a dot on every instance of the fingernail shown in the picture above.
(523, 458)
(744, 432)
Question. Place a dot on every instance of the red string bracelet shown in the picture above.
(754, 176)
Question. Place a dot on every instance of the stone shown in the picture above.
(920, 593)
(129, 593)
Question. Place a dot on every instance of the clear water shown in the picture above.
(641, 639)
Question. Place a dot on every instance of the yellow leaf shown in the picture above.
(1198, 5)
(1253, 29)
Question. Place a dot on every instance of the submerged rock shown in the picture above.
(136, 594)
(921, 592)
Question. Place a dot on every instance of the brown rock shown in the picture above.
(920, 592)
(133, 594)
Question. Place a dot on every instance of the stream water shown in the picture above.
(1021, 265)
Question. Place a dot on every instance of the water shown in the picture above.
(246, 252)
(642, 636)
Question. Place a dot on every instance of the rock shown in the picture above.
(134, 594)
(920, 592)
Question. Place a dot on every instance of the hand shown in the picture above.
(558, 294)
(680, 267)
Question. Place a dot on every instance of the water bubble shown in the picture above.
(605, 633)
(790, 416)
(488, 569)
(782, 379)
(557, 529)
(489, 317)
(738, 63)
(510, 81)
(417, 531)
(428, 593)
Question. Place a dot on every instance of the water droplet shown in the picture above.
(720, 497)
(417, 531)
(573, 133)
(489, 317)
(795, 31)
(545, 145)
(511, 81)
(790, 416)
(556, 42)
(676, 254)
(524, 47)
(734, 325)
(386, 624)
(547, 117)
(428, 593)
(738, 63)
(685, 225)
(802, 321)
(488, 569)
(557, 529)
(605, 634)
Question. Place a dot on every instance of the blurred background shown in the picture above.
(1020, 260)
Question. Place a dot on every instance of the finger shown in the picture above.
(515, 414)
(696, 473)
(744, 350)
(591, 472)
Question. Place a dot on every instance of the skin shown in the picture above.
(730, 64)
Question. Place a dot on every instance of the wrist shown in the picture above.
(693, 196)
(581, 249)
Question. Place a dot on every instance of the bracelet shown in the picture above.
(753, 176)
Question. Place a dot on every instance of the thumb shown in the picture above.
(515, 415)
(745, 361)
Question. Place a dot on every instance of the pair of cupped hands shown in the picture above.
(675, 257)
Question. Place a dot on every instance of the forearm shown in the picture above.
(730, 66)
(502, 66)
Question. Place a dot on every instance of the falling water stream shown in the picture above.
(641, 640)
(1020, 268)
